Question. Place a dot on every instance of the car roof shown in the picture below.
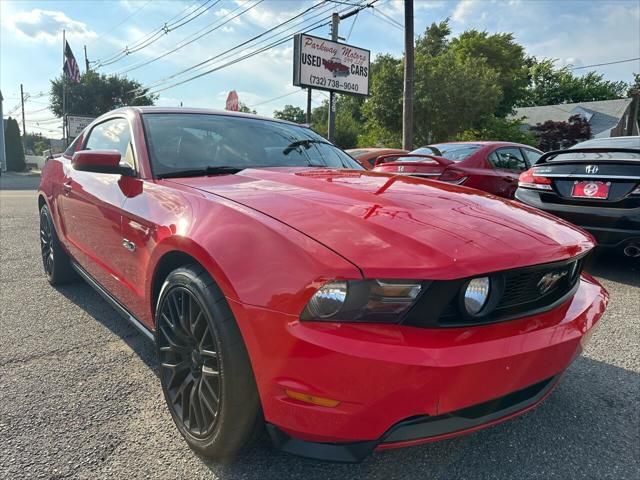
(201, 111)
(619, 142)
(480, 142)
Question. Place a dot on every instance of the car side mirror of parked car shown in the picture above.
(100, 161)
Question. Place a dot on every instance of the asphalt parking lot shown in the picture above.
(79, 395)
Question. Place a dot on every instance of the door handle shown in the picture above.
(67, 187)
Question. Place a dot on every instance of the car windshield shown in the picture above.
(451, 151)
(613, 143)
(209, 143)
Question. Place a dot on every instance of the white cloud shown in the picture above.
(47, 25)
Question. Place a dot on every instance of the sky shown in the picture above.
(575, 32)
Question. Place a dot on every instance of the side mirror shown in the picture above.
(100, 161)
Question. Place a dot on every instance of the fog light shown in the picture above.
(476, 295)
(328, 300)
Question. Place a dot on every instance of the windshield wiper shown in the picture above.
(301, 143)
(198, 172)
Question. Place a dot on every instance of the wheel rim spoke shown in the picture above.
(46, 248)
(190, 367)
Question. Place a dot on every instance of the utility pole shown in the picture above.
(24, 125)
(86, 60)
(632, 121)
(407, 100)
(308, 106)
(3, 155)
(335, 21)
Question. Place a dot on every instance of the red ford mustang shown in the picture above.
(285, 286)
(492, 167)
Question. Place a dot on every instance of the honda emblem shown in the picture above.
(591, 169)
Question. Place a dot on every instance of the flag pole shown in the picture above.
(64, 92)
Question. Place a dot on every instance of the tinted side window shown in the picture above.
(112, 135)
(509, 158)
(532, 156)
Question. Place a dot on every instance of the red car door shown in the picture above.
(508, 163)
(90, 207)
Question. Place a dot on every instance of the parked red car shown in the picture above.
(367, 157)
(493, 167)
(284, 285)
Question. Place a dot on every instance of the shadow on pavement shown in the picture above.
(19, 181)
(91, 302)
(613, 265)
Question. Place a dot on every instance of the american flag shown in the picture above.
(70, 66)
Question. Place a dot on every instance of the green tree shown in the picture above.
(551, 85)
(291, 113)
(349, 119)
(36, 143)
(453, 94)
(503, 55)
(96, 94)
(244, 108)
(13, 146)
(499, 129)
(435, 39)
(383, 110)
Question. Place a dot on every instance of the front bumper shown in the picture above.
(421, 429)
(402, 385)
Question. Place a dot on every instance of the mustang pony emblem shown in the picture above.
(548, 280)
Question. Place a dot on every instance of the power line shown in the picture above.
(277, 98)
(119, 23)
(157, 34)
(154, 87)
(607, 63)
(147, 36)
(209, 60)
(188, 41)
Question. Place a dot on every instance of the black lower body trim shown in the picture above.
(417, 428)
(113, 302)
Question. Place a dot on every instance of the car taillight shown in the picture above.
(636, 191)
(529, 180)
(453, 176)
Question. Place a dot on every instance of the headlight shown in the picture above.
(328, 301)
(363, 300)
(476, 295)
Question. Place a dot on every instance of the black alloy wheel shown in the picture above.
(55, 261)
(189, 363)
(46, 247)
(205, 371)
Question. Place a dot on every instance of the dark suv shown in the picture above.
(594, 184)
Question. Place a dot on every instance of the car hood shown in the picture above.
(396, 225)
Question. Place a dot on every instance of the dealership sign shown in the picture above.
(76, 124)
(327, 65)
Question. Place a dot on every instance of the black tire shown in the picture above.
(55, 261)
(202, 357)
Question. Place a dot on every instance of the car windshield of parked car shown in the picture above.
(613, 143)
(188, 142)
(452, 151)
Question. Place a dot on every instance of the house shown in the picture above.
(607, 118)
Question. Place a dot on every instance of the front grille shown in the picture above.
(515, 293)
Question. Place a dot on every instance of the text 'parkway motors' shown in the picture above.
(327, 65)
